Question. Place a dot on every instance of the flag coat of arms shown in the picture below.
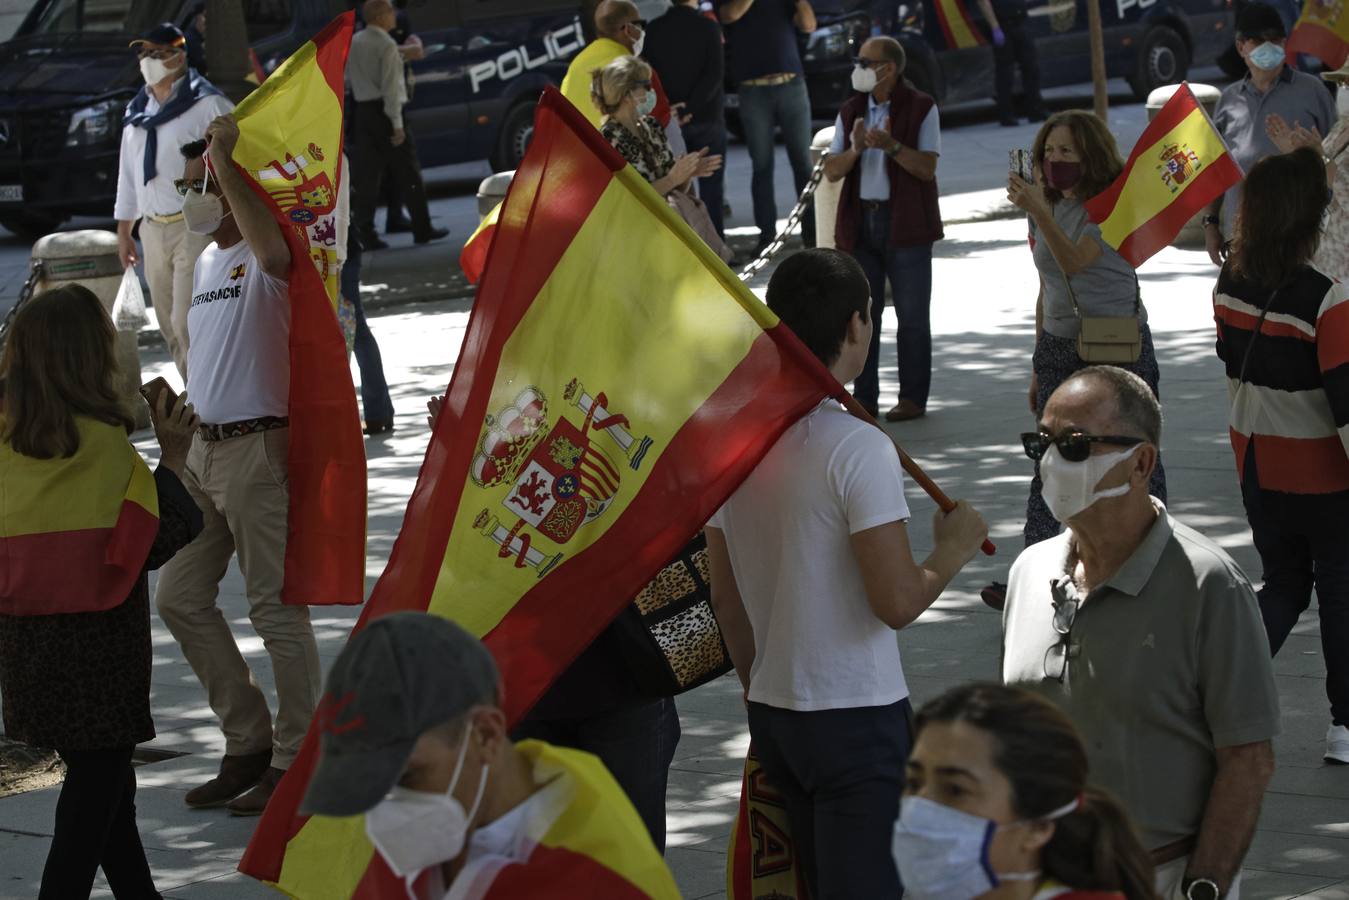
(290, 153)
(1178, 167)
(616, 383)
(1321, 31)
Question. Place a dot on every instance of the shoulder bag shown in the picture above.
(1108, 339)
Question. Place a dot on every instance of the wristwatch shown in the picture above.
(894, 151)
(1209, 220)
(1201, 889)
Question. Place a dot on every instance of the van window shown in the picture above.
(66, 16)
(474, 10)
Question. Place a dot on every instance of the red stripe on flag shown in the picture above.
(1332, 337)
(331, 48)
(1301, 465)
(945, 25)
(761, 397)
(969, 23)
(1181, 104)
(473, 258)
(1317, 40)
(1161, 229)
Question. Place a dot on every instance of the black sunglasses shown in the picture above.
(1073, 446)
(867, 63)
(1065, 614)
(196, 185)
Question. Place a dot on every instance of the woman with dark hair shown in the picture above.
(84, 521)
(997, 804)
(1283, 336)
(1075, 158)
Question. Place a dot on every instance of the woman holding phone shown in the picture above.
(85, 521)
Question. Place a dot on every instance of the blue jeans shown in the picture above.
(711, 135)
(375, 398)
(636, 743)
(764, 107)
(910, 272)
(840, 772)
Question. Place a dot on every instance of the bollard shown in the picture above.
(827, 194)
(89, 258)
(492, 190)
(1192, 235)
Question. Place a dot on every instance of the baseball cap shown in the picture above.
(1257, 20)
(165, 34)
(401, 676)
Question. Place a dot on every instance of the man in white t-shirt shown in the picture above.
(811, 576)
(239, 381)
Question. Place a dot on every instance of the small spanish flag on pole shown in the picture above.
(1321, 31)
(957, 26)
(1177, 168)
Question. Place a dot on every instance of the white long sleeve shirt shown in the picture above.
(375, 72)
(135, 198)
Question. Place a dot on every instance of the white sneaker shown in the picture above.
(1337, 744)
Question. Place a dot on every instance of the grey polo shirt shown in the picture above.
(1107, 287)
(1168, 660)
(1240, 118)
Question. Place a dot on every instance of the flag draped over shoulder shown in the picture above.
(1321, 31)
(617, 382)
(1179, 166)
(957, 26)
(75, 532)
(290, 152)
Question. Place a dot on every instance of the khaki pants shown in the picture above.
(1170, 876)
(240, 485)
(171, 253)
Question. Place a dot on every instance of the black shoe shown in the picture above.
(374, 428)
(434, 234)
(397, 226)
(373, 242)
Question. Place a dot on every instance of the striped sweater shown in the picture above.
(1292, 405)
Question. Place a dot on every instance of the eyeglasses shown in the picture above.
(640, 23)
(1073, 446)
(196, 185)
(156, 54)
(864, 63)
(1065, 613)
(646, 85)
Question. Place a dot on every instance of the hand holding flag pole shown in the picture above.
(945, 503)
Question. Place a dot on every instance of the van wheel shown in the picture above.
(1163, 59)
(513, 140)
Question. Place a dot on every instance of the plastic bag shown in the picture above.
(128, 308)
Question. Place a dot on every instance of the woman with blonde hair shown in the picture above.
(84, 522)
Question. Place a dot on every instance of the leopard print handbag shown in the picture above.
(670, 639)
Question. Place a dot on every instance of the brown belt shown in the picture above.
(1173, 851)
(165, 220)
(875, 204)
(238, 429)
(779, 78)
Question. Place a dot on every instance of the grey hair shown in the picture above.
(609, 85)
(1136, 405)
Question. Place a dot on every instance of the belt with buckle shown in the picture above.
(165, 220)
(875, 204)
(239, 429)
(1173, 851)
(779, 78)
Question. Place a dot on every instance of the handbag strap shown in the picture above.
(1246, 357)
(1072, 295)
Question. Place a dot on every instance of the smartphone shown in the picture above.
(1019, 163)
(153, 388)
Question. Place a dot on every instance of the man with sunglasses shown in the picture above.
(620, 30)
(1147, 634)
(174, 107)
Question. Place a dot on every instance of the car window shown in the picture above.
(65, 16)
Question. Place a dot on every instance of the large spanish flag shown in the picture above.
(290, 151)
(957, 26)
(1322, 31)
(617, 382)
(75, 532)
(1179, 166)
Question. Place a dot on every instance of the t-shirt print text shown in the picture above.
(228, 292)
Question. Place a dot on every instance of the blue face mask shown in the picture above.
(1267, 56)
(646, 104)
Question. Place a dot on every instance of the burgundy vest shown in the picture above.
(915, 218)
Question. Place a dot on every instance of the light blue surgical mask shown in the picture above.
(646, 104)
(1267, 56)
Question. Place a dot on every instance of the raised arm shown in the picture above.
(259, 229)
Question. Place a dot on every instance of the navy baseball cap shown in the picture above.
(165, 34)
(401, 676)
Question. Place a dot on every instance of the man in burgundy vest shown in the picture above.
(887, 215)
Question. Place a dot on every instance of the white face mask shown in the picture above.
(203, 212)
(1342, 99)
(1070, 487)
(942, 853)
(154, 71)
(414, 830)
(863, 80)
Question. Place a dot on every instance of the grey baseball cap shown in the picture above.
(401, 676)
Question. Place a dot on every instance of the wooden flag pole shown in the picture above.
(915, 471)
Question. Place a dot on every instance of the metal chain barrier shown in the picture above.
(35, 274)
(792, 221)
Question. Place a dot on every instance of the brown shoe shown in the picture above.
(903, 411)
(255, 801)
(237, 774)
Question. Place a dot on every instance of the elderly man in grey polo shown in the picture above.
(1149, 637)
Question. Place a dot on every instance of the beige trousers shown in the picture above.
(171, 253)
(240, 485)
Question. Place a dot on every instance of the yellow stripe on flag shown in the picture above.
(1150, 187)
(311, 863)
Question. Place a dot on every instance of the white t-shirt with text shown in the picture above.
(817, 643)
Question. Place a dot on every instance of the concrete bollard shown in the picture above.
(827, 194)
(492, 190)
(89, 258)
(1192, 235)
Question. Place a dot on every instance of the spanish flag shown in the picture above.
(957, 26)
(761, 860)
(617, 382)
(75, 532)
(1178, 167)
(1321, 31)
(473, 258)
(290, 152)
